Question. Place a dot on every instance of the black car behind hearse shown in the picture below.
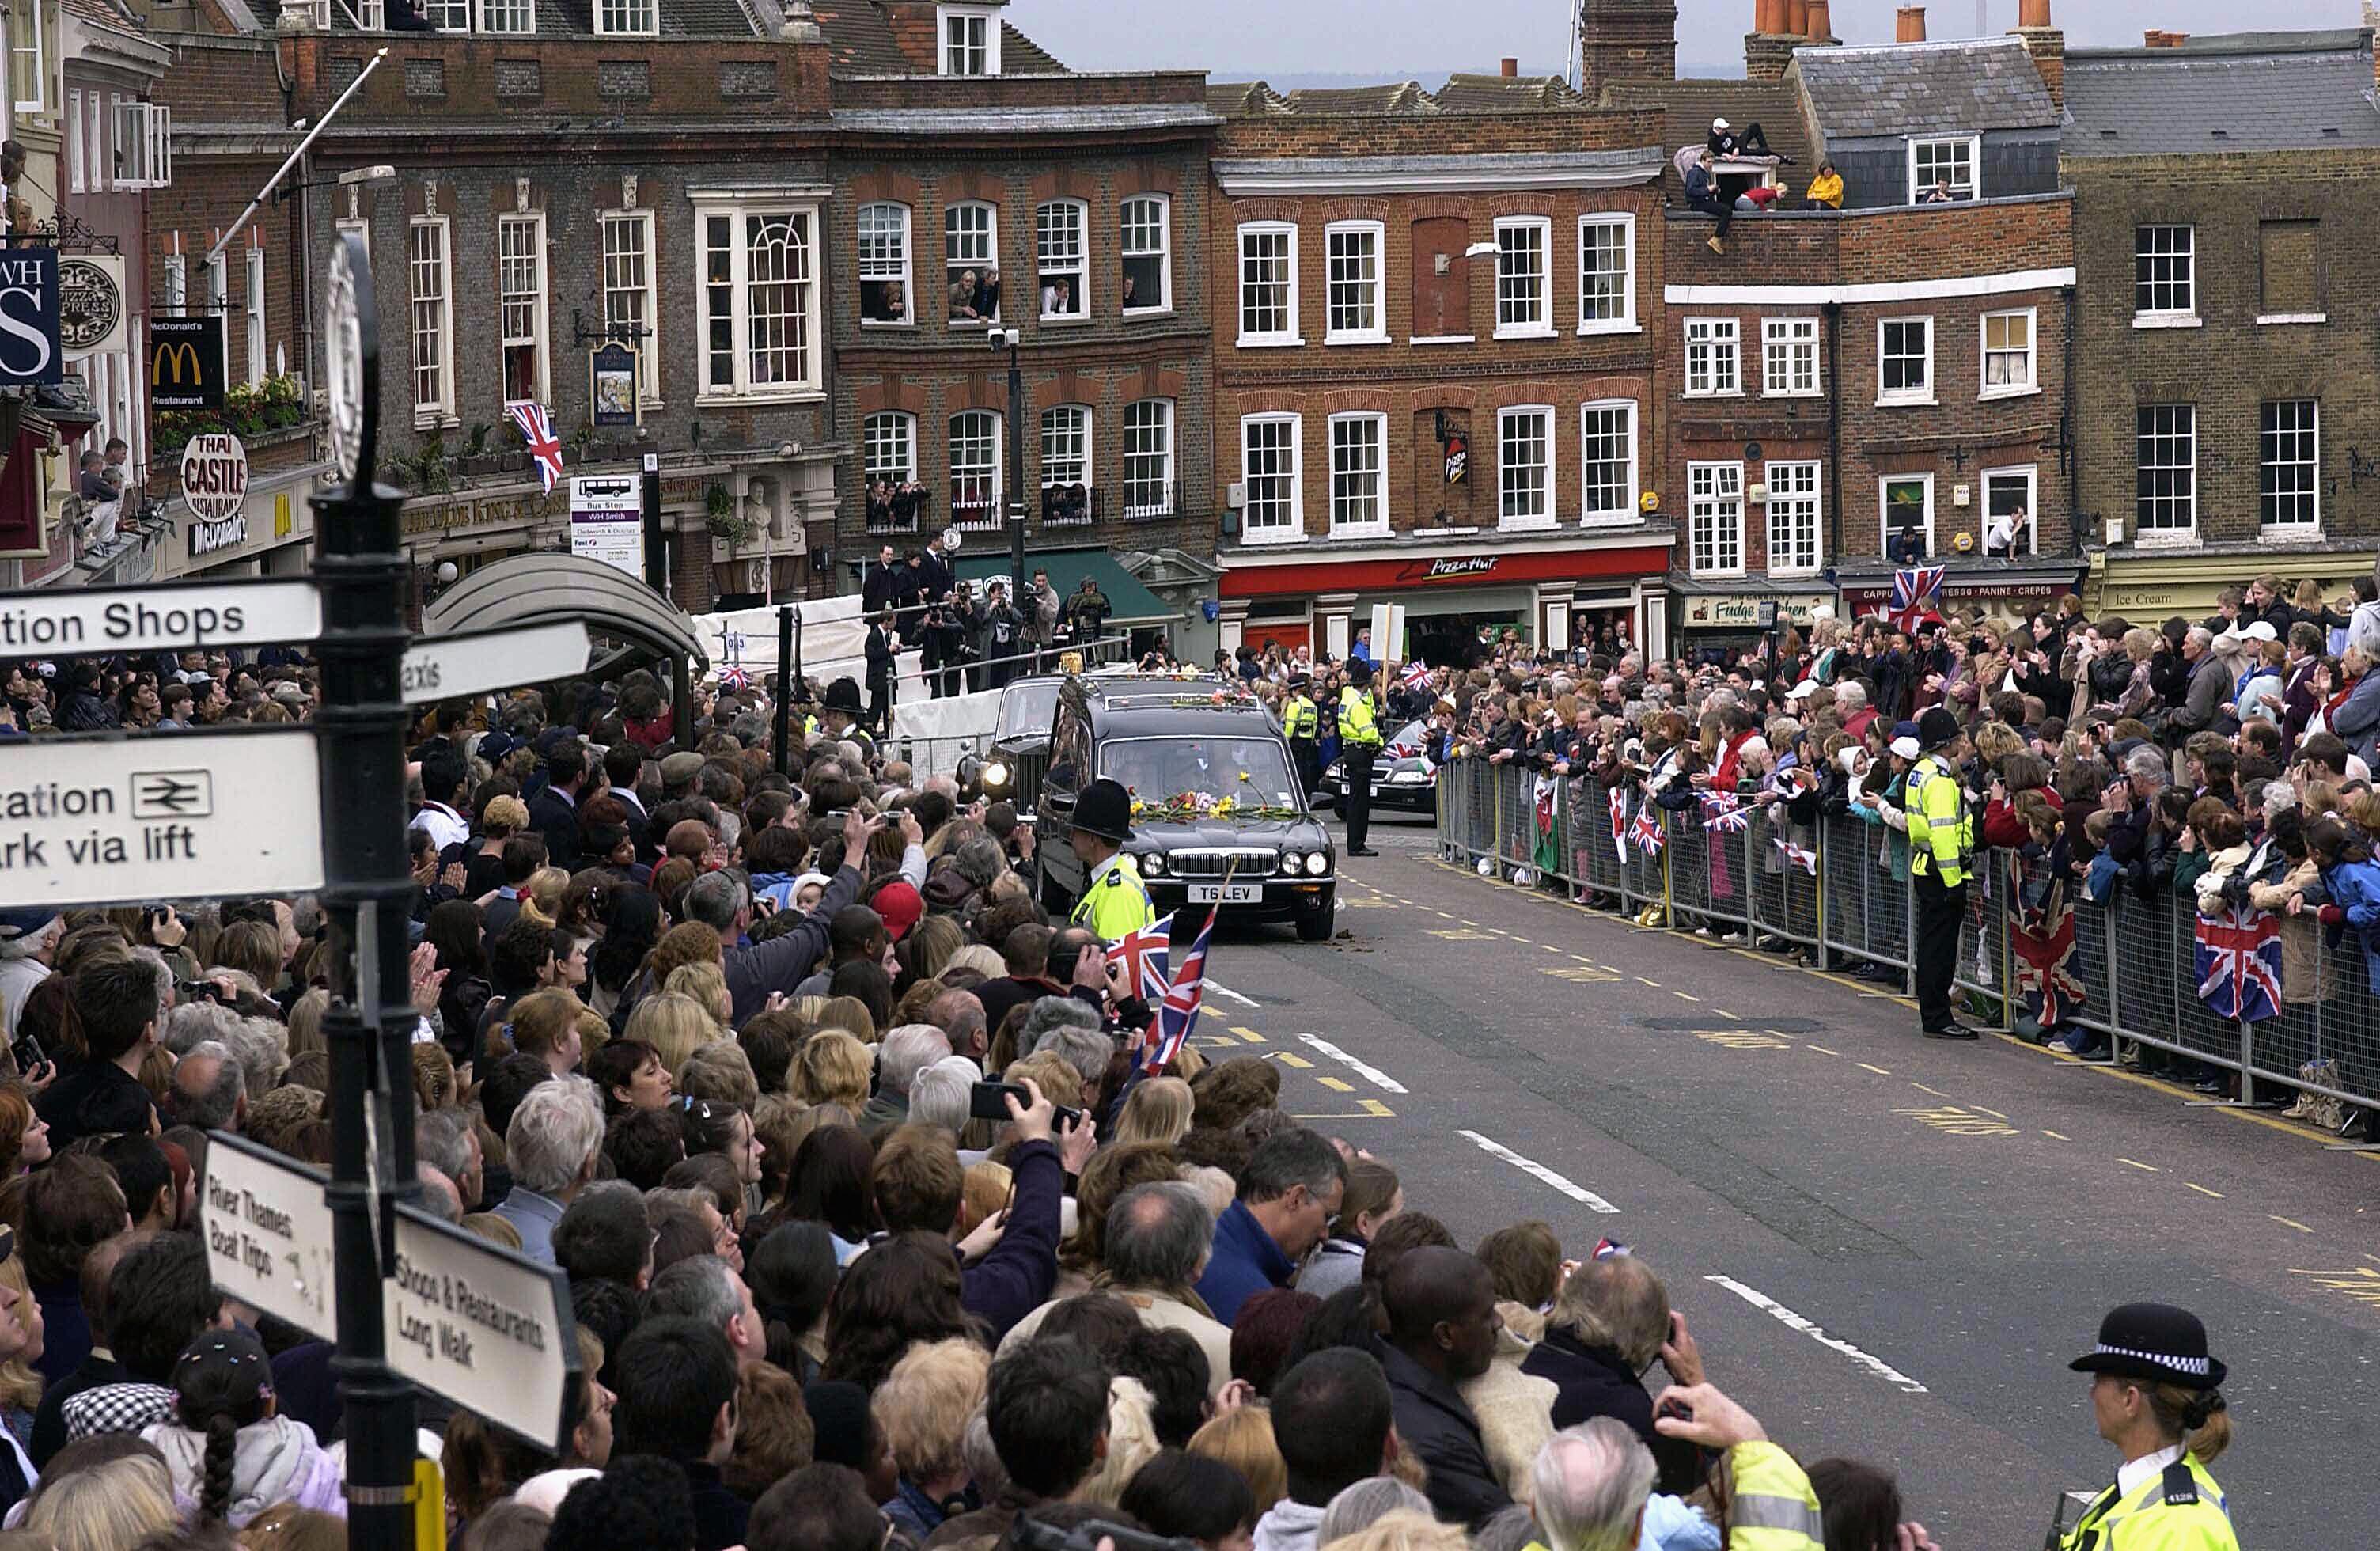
(1217, 815)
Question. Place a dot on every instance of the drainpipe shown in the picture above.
(1834, 311)
(2073, 447)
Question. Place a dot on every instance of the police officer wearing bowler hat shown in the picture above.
(1941, 846)
(2157, 1395)
(1114, 902)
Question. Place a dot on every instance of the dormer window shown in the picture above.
(970, 41)
(628, 19)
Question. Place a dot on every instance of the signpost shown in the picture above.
(268, 1229)
(488, 1328)
(105, 818)
(452, 666)
(607, 521)
(169, 616)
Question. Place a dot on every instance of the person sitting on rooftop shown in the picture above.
(1749, 145)
(1826, 190)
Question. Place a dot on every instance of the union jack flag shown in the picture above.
(2239, 963)
(1143, 955)
(537, 429)
(1648, 832)
(1414, 676)
(2043, 937)
(1798, 855)
(1915, 589)
(735, 678)
(1723, 814)
(1620, 823)
(1178, 1014)
(1403, 750)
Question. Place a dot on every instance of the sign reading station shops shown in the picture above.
(484, 1327)
(186, 363)
(268, 1229)
(137, 620)
(29, 354)
(106, 818)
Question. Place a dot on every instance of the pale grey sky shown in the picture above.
(1240, 39)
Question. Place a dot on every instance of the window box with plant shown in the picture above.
(719, 515)
(276, 404)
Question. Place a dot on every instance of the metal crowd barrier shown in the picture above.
(2134, 958)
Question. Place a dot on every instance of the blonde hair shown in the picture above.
(306, 1022)
(674, 1024)
(20, 1385)
(503, 816)
(706, 983)
(833, 1067)
(1132, 1442)
(1243, 1439)
(1056, 1076)
(924, 1404)
(1404, 1529)
(106, 1506)
(542, 899)
(1158, 1111)
(848, 1013)
(2200, 1418)
(722, 1072)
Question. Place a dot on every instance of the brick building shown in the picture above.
(978, 184)
(2225, 213)
(1435, 364)
(1837, 377)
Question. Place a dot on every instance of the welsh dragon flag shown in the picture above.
(1546, 852)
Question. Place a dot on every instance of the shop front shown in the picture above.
(2002, 588)
(1712, 621)
(1555, 596)
(2148, 587)
(240, 513)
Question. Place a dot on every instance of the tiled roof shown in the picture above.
(1039, 120)
(2256, 91)
(576, 18)
(1361, 102)
(1964, 86)
(1689, 106)
(105, 12)
(1506, 93)
(859, 42)
(1244, 99)
(1020, 55)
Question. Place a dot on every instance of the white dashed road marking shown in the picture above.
(1577, 1193)
(1378, 1078)
(1787, 1317)
(1220, 989)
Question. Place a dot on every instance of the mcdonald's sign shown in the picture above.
(186, 363)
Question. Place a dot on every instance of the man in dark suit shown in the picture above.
(624, 763)
(554, 811)
(880, 674)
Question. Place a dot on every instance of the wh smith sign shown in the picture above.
(29, 317)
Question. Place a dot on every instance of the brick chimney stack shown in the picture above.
(1768, 47)
(1909, 25)
(2157, 38)
(1510, 67)
(2042, 40)
(1626, 41)
(2372, 24)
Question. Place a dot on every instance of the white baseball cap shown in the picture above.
(1906, 747)
(1804, 690)
(1718, 123)
(2261, 631)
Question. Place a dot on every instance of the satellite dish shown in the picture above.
(949, 539)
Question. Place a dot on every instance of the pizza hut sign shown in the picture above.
(1467, 565)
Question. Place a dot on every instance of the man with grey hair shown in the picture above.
(192, 1024)
(446, 1140)
(1289, 1192)
(943, 1095)
(439, 1196)
(552, 1145)
(960, 1016)
(2210, 687)
(1591, 1483)
(29, 945)
(1159, 1237)
(1610, 1321)
(1071, 1027)
(906, 1051)
(703, 1287)
(980, 861)
(209, 1089)
(722, 902)
(261, 1049)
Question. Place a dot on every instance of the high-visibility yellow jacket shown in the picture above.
(1301, 719)
(1774, 1508)
(2180, 1510)
(1941, 831)
(1116, 903)
(1356, 725)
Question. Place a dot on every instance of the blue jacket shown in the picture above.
(2358, 720)
(1244, 1263)
(2354, 887)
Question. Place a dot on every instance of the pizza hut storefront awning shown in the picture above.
(1300, 573)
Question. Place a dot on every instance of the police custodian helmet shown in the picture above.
(1104, 809)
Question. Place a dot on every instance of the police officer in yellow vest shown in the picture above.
(1359, 744)
(1114, 903)
(2156, 1395)
(1941, 844)
(1301, 724)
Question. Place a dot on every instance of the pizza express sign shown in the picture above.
(91, 304)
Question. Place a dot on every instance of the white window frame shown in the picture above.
(2174, 257)
(451, 17)
(1626, 322)
(1081, 261)
(876, 266)
(252, 309)
(1293, 530)
(522, 10)
(1884, 529)
(219, 286)
(2311, 527)
(1905, 395)
(436, 407)
(1712, 490)
(1353, 290)
(1378, 524)
(1163, 423)
(992, 475)
(1974, 145)
(1591, 514)
(540, 337)
(1796, 496)
(1288, 333)
(1722, 341)
(145, 130)
(177, 286)
(990, 259)
(1541, 325)
(1163, 253)
(902, 426)
(628, 19)
(1528, 522)
(76, 160)
(806, 322)
(1984, 352)
(2143, 531)
(2030, 473)
(966, 49)
(1784, 342)
(1083, 420)
(94, 134)
(29, 61)
(640, 223)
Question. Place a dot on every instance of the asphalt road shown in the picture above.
(1888, 1248)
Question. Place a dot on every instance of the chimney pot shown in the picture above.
(1768, 17)
(1512, 67)
(1797, 19)
(2033, 13)
(1909, 25)
(1822, 24)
